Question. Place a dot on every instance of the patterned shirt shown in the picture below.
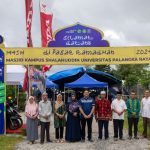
(103, 109)
(87, 104)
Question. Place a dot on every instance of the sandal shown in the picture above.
(62, 141)
(57, 141)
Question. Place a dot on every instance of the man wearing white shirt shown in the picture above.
(45, 111)
(145, 111)
(118, 107)
(148, 116)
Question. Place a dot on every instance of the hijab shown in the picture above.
(31, 109)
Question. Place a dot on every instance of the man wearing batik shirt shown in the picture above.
(133, 109)
(87, 107)
(103, 114)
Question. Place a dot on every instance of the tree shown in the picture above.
(104, 68)
(145, 79)
(132, 74)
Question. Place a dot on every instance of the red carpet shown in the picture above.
(18, 131)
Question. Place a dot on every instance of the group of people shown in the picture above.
(80, 113)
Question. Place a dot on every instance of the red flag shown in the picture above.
(25, 82)
(46, 29)
(45, 68)
(46, 24)
(29, 14)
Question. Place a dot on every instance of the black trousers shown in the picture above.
(59, 132)
(45, 127)
(133, 122)
(118, 128)
(145, 126)
(89, 125)
(101, 124)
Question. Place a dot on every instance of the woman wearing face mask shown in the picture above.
(73, 129)
(31, 112)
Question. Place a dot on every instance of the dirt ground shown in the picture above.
(141, 144)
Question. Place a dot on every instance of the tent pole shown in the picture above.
(18, 96)
(15, 91)
(64, 94)
(107, 92)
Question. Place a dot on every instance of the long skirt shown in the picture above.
(73, 128)
(32, 129)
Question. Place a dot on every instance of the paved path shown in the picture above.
(141, 144)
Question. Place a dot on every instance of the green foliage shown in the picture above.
(21, 101)
(131, 74)
(145, 79)
(39, 67)
(104, 68)
(10, 91)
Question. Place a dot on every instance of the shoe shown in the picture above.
(90, 140)
(107, 138)
(83, 140)
(100, 139)
(41, 143)
(129, 137)
(122, 139)
(49, 141)
(136, 137)
(115, 139)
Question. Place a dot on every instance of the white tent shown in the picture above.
(15, 74)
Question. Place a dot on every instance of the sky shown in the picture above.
(124, 22)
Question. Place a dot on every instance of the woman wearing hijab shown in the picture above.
(73, 130)
(59, 118)
(31, 112)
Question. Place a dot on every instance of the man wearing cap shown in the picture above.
(45, 110)
(103, 114)
(118, 107)
(87, 106)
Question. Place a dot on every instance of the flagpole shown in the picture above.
(40, 19)
(29, 90)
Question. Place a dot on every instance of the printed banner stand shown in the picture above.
(2, 94)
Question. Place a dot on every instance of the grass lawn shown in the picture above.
(8, 142)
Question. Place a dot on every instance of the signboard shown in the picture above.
(77, 55)
(2, 118)
(2, 93)
(78, 35)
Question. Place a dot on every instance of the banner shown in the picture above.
(77, 55)
(29, 14)
(46, 24)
